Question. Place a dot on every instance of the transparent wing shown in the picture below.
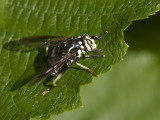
(41, 77)
(49, 71)
(42, 41)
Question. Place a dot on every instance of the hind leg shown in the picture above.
(58, 76)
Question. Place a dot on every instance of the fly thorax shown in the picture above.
(89, 43)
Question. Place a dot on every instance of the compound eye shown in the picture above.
(91, 43)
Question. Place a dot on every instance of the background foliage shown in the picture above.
(68, 18)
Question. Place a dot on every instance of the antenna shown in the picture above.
(101, 36)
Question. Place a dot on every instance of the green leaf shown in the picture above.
(64, 18)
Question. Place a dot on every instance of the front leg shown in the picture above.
(96, 50)
(93, 73)
(90, 56)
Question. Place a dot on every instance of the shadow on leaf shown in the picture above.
(32, 72)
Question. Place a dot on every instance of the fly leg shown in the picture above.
(58, 76)
(89, 56)
(86, 69)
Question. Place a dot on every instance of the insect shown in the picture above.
(64, 51)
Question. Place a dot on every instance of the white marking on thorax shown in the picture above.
(80, 42)
(83, 52)
(71, 48)
(79, 53)
(82, 46)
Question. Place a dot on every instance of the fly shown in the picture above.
(64, 51)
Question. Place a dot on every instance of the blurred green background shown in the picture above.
(131, 91)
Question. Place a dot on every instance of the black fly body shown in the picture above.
(64, 51)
